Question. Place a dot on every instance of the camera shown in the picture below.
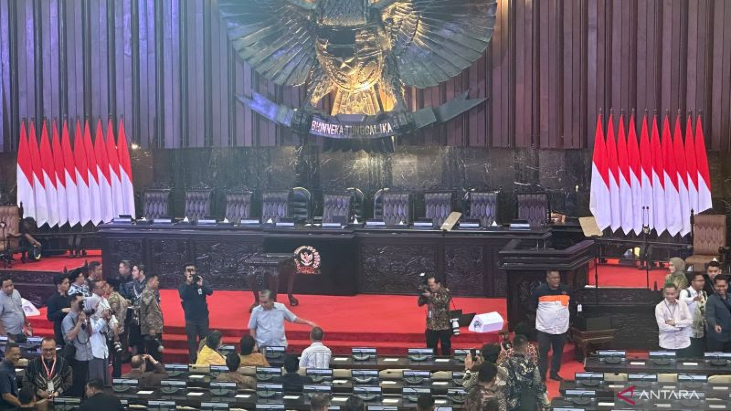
(160, 347)
(421, 290)
(87, 311)
(118, 347)
(455, 326)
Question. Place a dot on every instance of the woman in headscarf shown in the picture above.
(677, 274)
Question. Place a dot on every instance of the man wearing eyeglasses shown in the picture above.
(50, 374)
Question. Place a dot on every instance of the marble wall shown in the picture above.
(565, 174)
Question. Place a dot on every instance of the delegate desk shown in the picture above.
(646, 366)
(353, 259)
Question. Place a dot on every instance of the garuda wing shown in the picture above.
(434, 40)
(275, 37)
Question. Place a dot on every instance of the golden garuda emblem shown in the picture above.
(365, 52)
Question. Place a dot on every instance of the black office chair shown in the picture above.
(300, 205)
(378, 203)
(357, 203)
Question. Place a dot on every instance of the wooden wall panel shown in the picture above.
(167, 68)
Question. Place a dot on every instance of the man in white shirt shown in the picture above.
(695, 297)
(316, 355)
(266, 323)
(673, 320)
(102, 323)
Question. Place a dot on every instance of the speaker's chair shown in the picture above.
(198, 204)
(238, 205)
(438, 206)
(274, 205)
(336, 208)
(156, 203)
(483, 207)
(300, 204)
(533, 207)
(396, 208)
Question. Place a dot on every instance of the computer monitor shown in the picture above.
(175, 370)
(269, 390)
(416, 377)
(172, 386)
(420, 354)
(214, 406)
(124, 384)
(367, 392)
(364, 376)
(364, 353)
(222, 389)
(412, 393)
(267, 373)
(319, 374)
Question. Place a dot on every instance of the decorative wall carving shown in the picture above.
(465, 270)
(168, 257)
(122, 249)
(395, 268)
(222, 262)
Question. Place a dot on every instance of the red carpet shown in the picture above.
(614, 275)
(389, 322)
(55, 264)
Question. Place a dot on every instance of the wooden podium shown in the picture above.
(526, 264)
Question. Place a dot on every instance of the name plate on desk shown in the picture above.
(375, 223)
(519, 226)
(332, 225)
(423, 224)
(287, 224)
(249, 222)
(122, 220)
(162, 221)
(208, 222)
(468, 225)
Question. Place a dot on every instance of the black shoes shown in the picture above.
(556, 377)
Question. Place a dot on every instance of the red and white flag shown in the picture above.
(599, 202)
(112, 156)
(704, 176)
(63, 216)
(94, 191)
(690, 163)
(49, 177)
(679, 149)
(125, 172)
(658, 180)
(625, 192)
(635, 173)
(673, 215)
(615, 203)
(86, 215)
(24, 175)
(72, 192)
(105, 183)
(648, 216)
(39, 189)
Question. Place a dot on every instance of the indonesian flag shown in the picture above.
(599, 196)
(24, 175)
(658, 180)
(704, 177)
(105, 183)
(648, 217)
(673, 214)
(679, 149)
(613, 177)
(49, 177)
(63, 216)
(39, 190)
(94, 191)
(690, 163)
(125, 172)
(625, 192)
(635, 172)
(72, 192)
(117, 199)
(82, 177)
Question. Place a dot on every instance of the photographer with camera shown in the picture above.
(76, 331)
(438, 326)
(151, 320)
(193, 295)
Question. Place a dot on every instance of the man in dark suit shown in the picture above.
(97, 400)
(718, 316)
(139, 371)
(291, 381)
